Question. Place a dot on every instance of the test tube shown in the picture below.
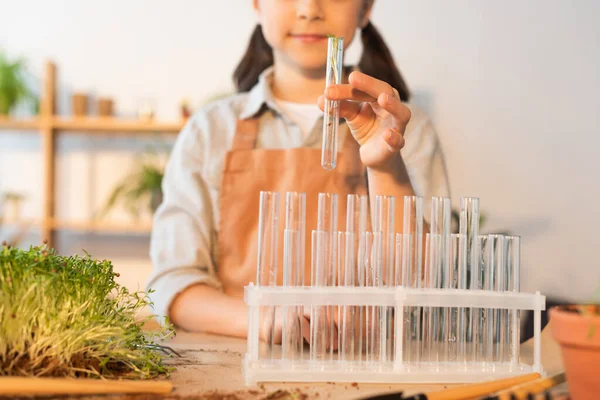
(385, 209)
(492, 259)
(458, 280)
(440, 225)
(431, 321)
(501, 322)
(469, 226)
(266, 267)
(370, 253)
(513, 278)
(412, 254)
(319, 326)
(356, 223)
(346, 262)
(293, 272)
(327, 215)
(333, 76)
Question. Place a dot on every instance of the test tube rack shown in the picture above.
(394, 327)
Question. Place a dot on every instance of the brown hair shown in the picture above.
(376, 61)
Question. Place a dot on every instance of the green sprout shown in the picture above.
(332, 59)
(66, 316)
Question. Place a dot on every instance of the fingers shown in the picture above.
(348, 110)
(394, 140)
(347, 92)
(394, 106)
(367, 84)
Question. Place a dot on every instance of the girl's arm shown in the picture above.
(378, 120)
(391, 179)
(202, 308)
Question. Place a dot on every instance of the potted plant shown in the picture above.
(13, 86)
(142, 185)
(577, 329)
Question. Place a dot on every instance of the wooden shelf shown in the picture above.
(49, 125)
(102, 227)
(14, 123)
(109, 124)
(19, 224)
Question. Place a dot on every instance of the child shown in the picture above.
(268, 137)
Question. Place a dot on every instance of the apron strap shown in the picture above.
(246, 131)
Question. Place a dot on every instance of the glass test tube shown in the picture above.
(319, 327)
(266, 267)
(469, 226)
(370, 260)
(412, 254)
(335, 51)
(492, 260)
(356, 223)
(293, 272)
(347, 314)
(458, 280)
(440, 222)
(513, 278)
(327, 223)
(432, 266)
(384, 224)
(501, 322)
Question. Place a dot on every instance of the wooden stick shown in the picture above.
(477, 389)
(522, 391)
(61, 386)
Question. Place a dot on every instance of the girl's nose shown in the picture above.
(309, 9)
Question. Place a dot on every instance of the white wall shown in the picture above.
(512, 88)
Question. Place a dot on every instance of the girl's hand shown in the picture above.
(271, 325)
(375, 115)
(274, 328)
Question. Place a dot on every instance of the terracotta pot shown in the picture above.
(80, 104)
(105, 107)
(579, 338)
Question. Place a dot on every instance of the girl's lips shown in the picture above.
(308, 38)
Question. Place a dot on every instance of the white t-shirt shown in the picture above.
(305, 115)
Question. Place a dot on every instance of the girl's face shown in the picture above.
(297, 29)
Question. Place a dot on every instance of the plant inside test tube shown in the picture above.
(331, 118)
(333, 66)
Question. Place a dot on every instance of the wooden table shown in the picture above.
(210, 368)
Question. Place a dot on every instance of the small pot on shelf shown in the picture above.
(577, 329)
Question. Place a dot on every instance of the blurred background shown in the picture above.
(512, 88)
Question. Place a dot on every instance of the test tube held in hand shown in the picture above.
(385, 208)
(333, 75)
(266, 268)
(513, 278)
(412, 268)
(469, 226)
(293, 272)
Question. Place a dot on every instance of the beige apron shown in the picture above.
(248, 171)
